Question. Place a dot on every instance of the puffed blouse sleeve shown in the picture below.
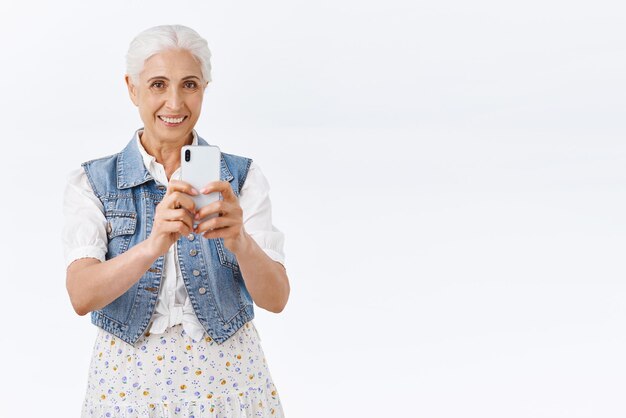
(84, 229)
(255, 202)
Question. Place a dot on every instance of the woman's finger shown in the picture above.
(223, 187)
(177, 200)
(180, 186)
(220, 207)
(179, 227)
(174, 215)
(215, 223)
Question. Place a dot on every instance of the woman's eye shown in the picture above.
(157, 84)
(191, 84)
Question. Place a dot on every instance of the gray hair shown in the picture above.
(159, 38)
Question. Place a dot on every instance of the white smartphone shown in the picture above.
(200, 165)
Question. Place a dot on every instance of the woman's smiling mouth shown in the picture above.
(172, 121)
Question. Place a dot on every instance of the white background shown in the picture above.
(449, 176)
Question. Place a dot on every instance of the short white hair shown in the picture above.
(160, 38)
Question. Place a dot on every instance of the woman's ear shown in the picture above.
(132, 90)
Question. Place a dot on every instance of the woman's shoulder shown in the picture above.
(99, 162)
(76, 178)
(78, 187)
(236, 160)
(237, 167)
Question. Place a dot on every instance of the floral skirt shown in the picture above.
(172, 375)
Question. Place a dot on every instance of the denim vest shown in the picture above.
(209, 270)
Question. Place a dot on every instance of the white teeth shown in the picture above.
(171, 120)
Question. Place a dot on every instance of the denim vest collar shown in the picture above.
(132, 172)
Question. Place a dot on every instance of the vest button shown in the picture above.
(202, 290)
(193, 252)
(196, 273)
(109, 228)
(191, 237)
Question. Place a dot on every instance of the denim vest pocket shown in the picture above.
(120, 228)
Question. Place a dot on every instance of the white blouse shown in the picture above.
(84, 235)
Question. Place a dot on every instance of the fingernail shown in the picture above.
(197, 216)
(203, 191)
(194, 191)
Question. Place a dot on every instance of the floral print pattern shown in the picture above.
(172, 375)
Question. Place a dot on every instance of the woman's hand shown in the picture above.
(173, 216)
(265, 279)
(229, 222)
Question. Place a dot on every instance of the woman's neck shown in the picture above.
(166, 153)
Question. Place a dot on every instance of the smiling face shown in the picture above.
(169, 96)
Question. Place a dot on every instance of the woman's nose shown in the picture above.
(174, 99)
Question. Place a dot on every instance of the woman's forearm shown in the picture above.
(93, 284)
(266, 279)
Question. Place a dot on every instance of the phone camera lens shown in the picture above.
(187, 155)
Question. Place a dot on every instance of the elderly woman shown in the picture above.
(172, 296)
